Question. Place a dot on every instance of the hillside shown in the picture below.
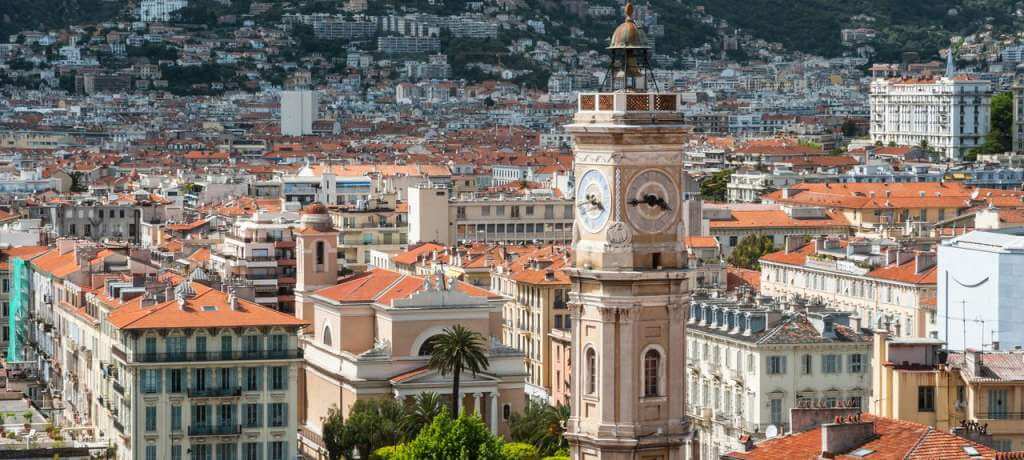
(19, 15)
(814, 26)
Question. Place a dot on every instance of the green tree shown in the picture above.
(714, 187)
(425, 407)
(371, 424)
(455, 350)
(333, 432)
(999, 138)
(749, 250)
(464, 438)
(540, 425)
(519, 451)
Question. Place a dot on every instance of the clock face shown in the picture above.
(652, 201)
(593, 200)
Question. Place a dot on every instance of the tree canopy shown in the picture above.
(750, 249)
(715, 187)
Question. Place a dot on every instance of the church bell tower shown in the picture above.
(629, 282)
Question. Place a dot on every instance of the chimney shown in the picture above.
(793, 243)
(844, 435)
(903, 256)
(972, 361)
(65, 245)
(923, 261)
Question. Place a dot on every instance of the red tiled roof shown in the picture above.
(382, 286)
(893, 440)
(197, 313)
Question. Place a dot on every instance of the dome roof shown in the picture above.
(315, 208)
(628, 35)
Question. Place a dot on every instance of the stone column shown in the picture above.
(476, 403)
(494, 412)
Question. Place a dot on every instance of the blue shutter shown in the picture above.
(284, 418)
(259, 378)
(160, 381)
(284, 377)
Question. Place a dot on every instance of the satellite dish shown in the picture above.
(771, 432)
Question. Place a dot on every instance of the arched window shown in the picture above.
(591, 371)
(320, 255)
(327, 335)
(652, 366)
(428, 346)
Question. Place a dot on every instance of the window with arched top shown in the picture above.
(327, 335)
(428, 346)
(320, 255)
(652, 367)
(591, 371)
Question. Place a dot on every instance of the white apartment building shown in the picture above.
(882, 284)
(979, 290)
(299, 110)
(748, 364)
(159, 10)
(534, 216)
(951, 114)
(259, 252)
(748, 186)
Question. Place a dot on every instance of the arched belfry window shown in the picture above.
(591, 369)
(327, 335)
(652, 371)
(320, 256)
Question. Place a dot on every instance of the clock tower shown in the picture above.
(629, 282)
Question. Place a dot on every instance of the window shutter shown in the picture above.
(284, 377)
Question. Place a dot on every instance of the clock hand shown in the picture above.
(650, 200)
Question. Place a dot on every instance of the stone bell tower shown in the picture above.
(630, 277)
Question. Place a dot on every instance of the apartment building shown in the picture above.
(11, 294)
(259, 252)
(349, 184)
(202, 375)
(1017, 133)
(874, 279)
(730, 223)
(537, 291)
(408, 45)
(157, 365)
(893, 210)
(750, 362)
(950, 114)
(377, 224)
(102, 218)
(916, 380)
(531, 216)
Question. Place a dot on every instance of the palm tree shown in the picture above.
(455, 350)
(425, 406)
(542, 426)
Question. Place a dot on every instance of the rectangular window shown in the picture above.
(150, 452)
(225, 346)
(175, 378)
(278, 378)
(175, 418)
(776, 411)
(278, 450)
(252, 415)
(776, 365)
(226, 451)
(251, 451)
(278, 414)
(252, 343)
(830, 364)
(150, 419)
(998, 400)
(175, 347)
(252, 379)
(278, 342)
(202, 452)
(150, 345)
(806, 364)
(925, 398)
(856, 363)
(176, 452)
(201, 347)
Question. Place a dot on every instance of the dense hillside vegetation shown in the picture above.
(19, 15)
(814, 26)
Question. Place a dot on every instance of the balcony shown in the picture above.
(261, 276)
(214, 430)
(230, 392)
(118, 388)
(119, 426)
(215, 356)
